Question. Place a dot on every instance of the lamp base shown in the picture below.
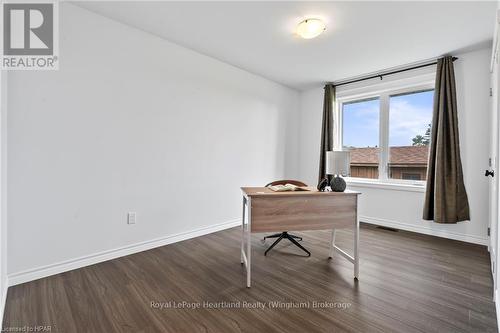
(338, 184)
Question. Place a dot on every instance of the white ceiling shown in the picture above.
(361, 37)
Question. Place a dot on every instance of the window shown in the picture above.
(388, 131)
(410, 117)
(361, 135)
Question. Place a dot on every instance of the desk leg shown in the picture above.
(249, 241)
(356, 248)
(332, 244)
(243, 231)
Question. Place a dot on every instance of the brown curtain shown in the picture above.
(326, 128)
(445, 198)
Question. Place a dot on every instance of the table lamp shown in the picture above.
(338, 163)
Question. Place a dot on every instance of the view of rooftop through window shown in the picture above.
(410, 117)
(361, 121)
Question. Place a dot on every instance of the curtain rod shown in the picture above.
(381, 75)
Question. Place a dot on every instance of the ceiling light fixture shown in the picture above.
(310, 28)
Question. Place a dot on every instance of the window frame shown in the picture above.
(383, 91)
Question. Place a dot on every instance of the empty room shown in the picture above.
(237, 166)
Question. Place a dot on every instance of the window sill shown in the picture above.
(386, 185)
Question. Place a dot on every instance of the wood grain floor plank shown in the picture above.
(409, 283)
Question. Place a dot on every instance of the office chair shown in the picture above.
(285, 234)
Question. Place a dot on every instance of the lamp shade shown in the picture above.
(338, 162)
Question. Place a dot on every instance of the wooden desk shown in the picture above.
(270, 211)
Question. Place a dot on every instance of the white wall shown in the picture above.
(3, 191)
(131, 122)
(403, 208)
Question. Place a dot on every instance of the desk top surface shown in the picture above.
(264, 192)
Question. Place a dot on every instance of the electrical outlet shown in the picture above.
(132, 216)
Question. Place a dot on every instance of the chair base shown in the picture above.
(291, 238)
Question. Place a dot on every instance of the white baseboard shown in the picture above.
(64, 266)
(68, 265)
(425, 230)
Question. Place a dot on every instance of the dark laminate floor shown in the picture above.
(408, 283)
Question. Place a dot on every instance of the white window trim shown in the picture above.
(383, 91)
(396, 184)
